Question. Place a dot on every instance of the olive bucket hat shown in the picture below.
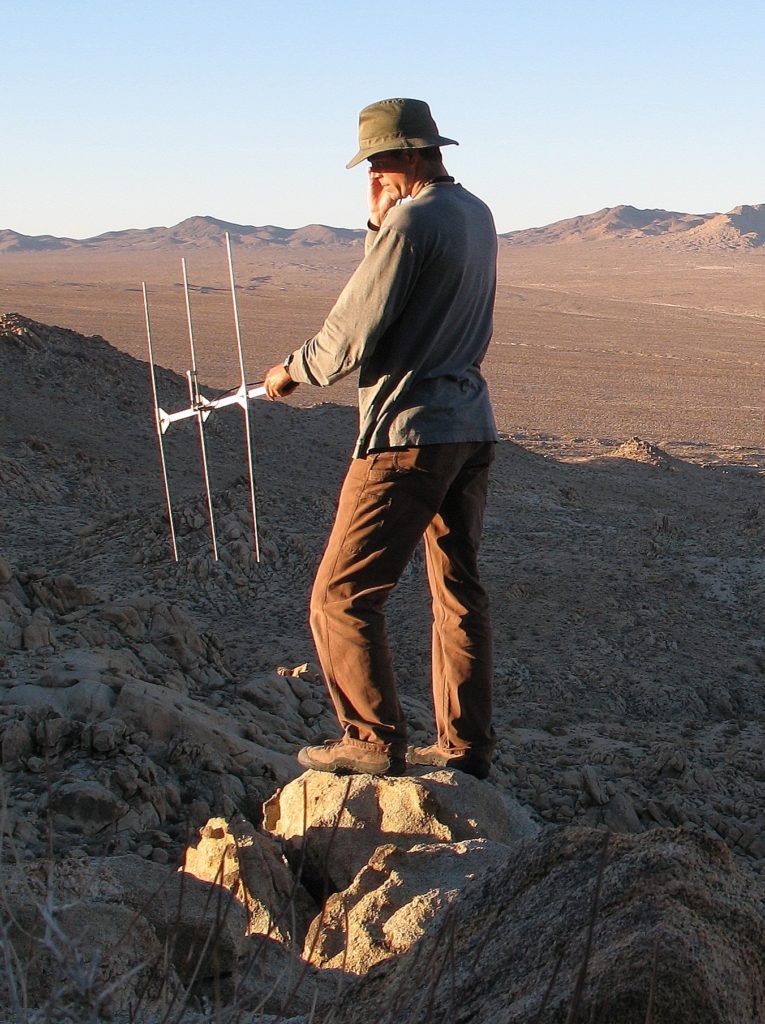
(397, 124)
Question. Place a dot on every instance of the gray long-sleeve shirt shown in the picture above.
(416, 319)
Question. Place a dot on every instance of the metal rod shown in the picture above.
(158, 425)
(245, 409)
(194, 398)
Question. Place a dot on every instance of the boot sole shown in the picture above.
(343, 766)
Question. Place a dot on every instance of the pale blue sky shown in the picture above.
(130, 114)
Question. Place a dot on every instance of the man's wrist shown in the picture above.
(287, 363)
(371, 226)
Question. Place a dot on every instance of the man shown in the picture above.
(415, 319)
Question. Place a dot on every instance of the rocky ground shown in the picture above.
(140, 697)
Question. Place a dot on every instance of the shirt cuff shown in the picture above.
(294, 364)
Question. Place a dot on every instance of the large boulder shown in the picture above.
(332, 825)
(678, 927)
(395, 897)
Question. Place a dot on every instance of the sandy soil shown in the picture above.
(597, 340)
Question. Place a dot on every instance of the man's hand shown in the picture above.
(380, 201)
(278, 383)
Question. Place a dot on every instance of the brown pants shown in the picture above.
(388, 501)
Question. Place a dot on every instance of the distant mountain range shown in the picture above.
(741, 228)
(194, 231)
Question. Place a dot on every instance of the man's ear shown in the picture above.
(414, 163)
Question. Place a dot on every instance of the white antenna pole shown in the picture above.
(158, 425)
(196, 403)
(244, 401)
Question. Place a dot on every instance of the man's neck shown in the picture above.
(427, 175)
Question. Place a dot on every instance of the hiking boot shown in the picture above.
(351, 757)
(468, 761)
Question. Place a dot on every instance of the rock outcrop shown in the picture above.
(388, 858)
(116, 721)
(333, 825)
(569, 925)
(675, 926)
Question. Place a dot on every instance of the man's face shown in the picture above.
(393, 171)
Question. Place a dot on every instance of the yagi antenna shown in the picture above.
(201, 407)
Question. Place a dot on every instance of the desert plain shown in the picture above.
(624, 553)
(598, 338)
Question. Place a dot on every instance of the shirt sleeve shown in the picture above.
(371, 300)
